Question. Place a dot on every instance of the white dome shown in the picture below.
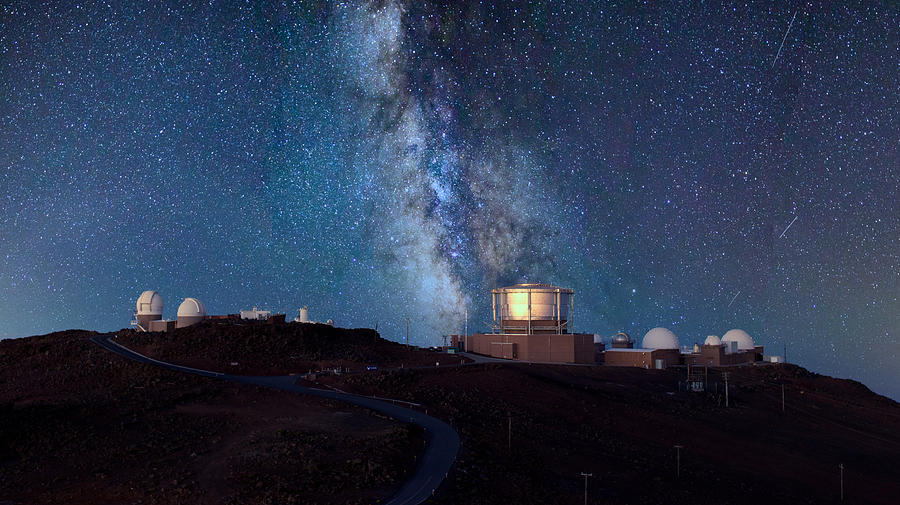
(150, 303)
(712, 340)
(660, 338)
(744, 342)
(191, 307)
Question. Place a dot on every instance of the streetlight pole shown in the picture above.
(726, 389)
(586, 475)
(509, 431)
(678, 449)
(841, 466)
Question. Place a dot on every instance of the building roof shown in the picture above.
(533, 286)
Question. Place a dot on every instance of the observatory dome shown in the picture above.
(190, 312)
(660, 338)
(191, 307)
(150, 303)
(621, 338)
(712, 340)
(744, 342)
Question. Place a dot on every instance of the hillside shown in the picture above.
(79, 425)
(258, 348)
(622, 424)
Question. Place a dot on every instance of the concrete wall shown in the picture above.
(548, 348)
(641, 358)
(631, 357)
(161, 325)
(714, 355)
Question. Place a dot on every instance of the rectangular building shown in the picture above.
(642, 358)
(543, 348)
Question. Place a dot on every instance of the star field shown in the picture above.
(698, 167)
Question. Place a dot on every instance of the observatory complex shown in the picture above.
(532, 322)
(535, 322)
(149, 310)
(661, 348)
(148, 314)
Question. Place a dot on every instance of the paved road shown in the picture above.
(442, 441)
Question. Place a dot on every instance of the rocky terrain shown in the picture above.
(622, 425)
(79, 425)
(259, 348)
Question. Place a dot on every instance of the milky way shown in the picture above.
(699, 169)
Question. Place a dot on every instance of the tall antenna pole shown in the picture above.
(726, 389)
(509, 431)
(678, 449)
(586, 475)
(841, 466)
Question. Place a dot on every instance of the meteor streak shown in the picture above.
(788, 227)
(783, 39)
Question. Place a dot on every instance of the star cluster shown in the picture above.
(699, 168)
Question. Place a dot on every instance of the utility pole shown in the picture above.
(509, 431)
(841, 466)
(785, 352)
(726, 389)
(678, 449)
(586, 475)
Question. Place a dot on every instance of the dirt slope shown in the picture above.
(622, 424)
(252, 348)
(81, 425)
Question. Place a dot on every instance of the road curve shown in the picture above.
(441, 441)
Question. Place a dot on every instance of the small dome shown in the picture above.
(191, 307)
(712, 340)
(744, 342)
(150, 303)
(660, 338)
(621, 338)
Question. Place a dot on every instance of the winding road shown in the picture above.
(441, 440)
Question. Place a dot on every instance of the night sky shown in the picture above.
(401, 159)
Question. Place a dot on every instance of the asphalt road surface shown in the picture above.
(442, 441)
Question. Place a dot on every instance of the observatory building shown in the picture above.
(734, 348)
(659, 349)
(191, 311)
(532, 322)
(149, 309)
